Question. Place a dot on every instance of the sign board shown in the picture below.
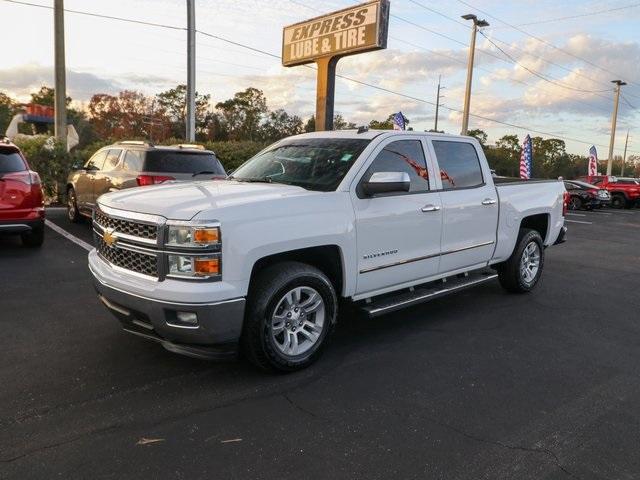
(352, 30)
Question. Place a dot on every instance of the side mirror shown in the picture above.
(387, 182)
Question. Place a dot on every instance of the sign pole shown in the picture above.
(325, 92)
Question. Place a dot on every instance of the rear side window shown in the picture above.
(459, 164)
(182, 162)
(11, 162)
(111, 162)
(403, 156)
(96, 162)
(132, 161)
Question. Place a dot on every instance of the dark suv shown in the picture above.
(135, 164)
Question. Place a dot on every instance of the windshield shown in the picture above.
(182, 162)
(312, 163)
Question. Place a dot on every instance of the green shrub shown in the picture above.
(50, 159)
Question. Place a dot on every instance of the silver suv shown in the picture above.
(130, 164)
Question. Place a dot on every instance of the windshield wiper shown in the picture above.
(204, 172)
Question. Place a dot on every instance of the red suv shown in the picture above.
(21, 199)
(625, 192)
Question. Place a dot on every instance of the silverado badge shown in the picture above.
(109, 238)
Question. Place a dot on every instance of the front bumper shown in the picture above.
(215, 337)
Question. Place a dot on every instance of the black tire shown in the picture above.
(575, 203)
(33, 239)
(509, 272)
(268, 288)
(73, 214)
(618, 201)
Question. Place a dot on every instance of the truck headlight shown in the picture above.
(194, 266)
(192, 236)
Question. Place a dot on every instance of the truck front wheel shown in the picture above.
(291, 310)
(522, 271)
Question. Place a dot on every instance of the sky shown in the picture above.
(559, 86)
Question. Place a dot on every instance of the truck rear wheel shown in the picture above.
(522, 271)
(291, 311)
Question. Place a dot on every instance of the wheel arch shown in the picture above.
(538, 222)
(328, 259)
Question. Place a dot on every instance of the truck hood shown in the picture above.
(183, 201)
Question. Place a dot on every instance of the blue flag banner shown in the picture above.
(526, 160)
(399, 121)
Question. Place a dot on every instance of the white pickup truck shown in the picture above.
(259, 262)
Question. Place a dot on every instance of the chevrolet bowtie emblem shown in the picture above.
(109, 238)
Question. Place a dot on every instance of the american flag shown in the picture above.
(593, 161)
(399, 121)
(526, 158)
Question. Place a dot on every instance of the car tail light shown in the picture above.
(565, 203)
(144, 180)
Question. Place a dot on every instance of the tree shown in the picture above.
(127, 115)
(310, 126)
(243, 113)
(280, 124)
(8, 108)
(386, 124)
(339, 123)
(173, 104)
(47, 96)
(480, 135)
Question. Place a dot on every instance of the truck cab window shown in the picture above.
(403, 156)
(459, 164)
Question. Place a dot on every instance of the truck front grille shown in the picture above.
(127, 227)
(130, 260)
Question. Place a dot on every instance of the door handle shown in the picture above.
(489, 201)
(430, 208)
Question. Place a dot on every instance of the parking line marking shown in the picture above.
(68, 236)
(578, 221)
(602, 213)
(577, 214)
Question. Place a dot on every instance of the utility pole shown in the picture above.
(472, 47)
(191, 71)
(60, 122)
(435, 127)
(614, 119)
(624, 155)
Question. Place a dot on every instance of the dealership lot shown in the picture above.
(478, 385)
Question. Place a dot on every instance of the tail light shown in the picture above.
(565, 203)
(144, 180)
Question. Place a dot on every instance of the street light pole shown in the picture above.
(614, 119)
(191, 72)
(60, 121)
(435, 127)
(624, 155)
(472, 47)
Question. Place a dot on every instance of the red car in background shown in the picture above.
(625, 192)
(21, 198)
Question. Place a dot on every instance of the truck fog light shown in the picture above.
(188, 318)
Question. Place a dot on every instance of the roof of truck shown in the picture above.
(371, 134)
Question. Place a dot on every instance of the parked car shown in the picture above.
(377, 218)
(21, 199)
(625, 192)
(130, 164)
(584, 195)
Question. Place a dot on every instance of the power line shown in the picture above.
(538, 74)
(581, 15)
(515, 27)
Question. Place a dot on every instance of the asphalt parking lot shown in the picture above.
(482, 384)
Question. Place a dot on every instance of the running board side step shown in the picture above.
(429, 291)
